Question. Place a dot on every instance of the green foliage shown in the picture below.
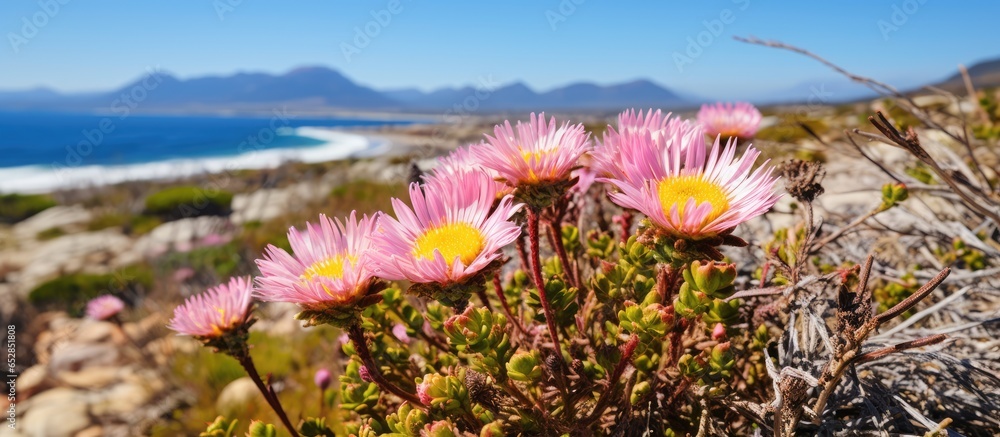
(480, 332)
(261, 429)
(650, 323)
(356, 394)
(633, 277)
(224, 260)
(788, 129)
(893, 195)
(71, 292)
(447, 392)
(221, 427)
(712, 278)
(962, 256)
(406, 422)
(315, 427)
(525, 366)
(50, 233)
(17, 207)
(188, 201)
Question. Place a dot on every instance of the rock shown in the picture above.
(54, 217)
(237, 395)
(92, 378)
(67, 254)
(93, 431)
(120, 399)
(32, 380)
(55, 413)
(179, 232)
(92, 331)
(75, 357)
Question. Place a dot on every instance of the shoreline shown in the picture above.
(337, 144)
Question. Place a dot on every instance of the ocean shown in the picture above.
(44, 151)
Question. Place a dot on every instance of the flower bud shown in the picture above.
(893, 194)
(322, 379)
(261, 429)
(399, 331)
(363, 373)
(719, 332)
(525, 367)
(423, 395)
(712, 278)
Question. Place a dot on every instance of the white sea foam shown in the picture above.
(336, 145)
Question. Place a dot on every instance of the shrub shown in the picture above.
(71, 292)
(188, 201)
(17, 207)
(50, 233)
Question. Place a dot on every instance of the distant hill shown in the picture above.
(321, 87)
(984, 74)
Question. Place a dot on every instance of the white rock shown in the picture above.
(120, 399)
(56, 216)
(182, 231)
(66, 254)
(237, 395)
(59, 412)
(93, 377)
(74, 357)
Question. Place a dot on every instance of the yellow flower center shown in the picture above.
(677, 190)
(452, 240)
(535, 156)
(332, 267)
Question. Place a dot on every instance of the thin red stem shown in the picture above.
(266, 390)
(536, 272)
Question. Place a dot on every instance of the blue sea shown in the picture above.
(42, 151)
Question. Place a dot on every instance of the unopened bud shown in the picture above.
(719, 332)
(893, 194)
(363, 372)
(322, 379)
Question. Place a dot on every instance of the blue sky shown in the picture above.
(88, 46)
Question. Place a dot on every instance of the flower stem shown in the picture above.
(555, 229)
(506, 308)
(536, 273)
(357, 336)
(265, 389)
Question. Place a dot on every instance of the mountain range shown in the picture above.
(321, 88)
(324, 88)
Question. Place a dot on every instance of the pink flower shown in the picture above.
(423, 395)
(221, 309)
(643, 141)
(214, 240)
(449, 235)
(399, 331)
(322, 379)
(535, 153)
(739, 119)
(104, 307)
(462, 160)
(330, 268)
(183, 274)
(690, 194)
